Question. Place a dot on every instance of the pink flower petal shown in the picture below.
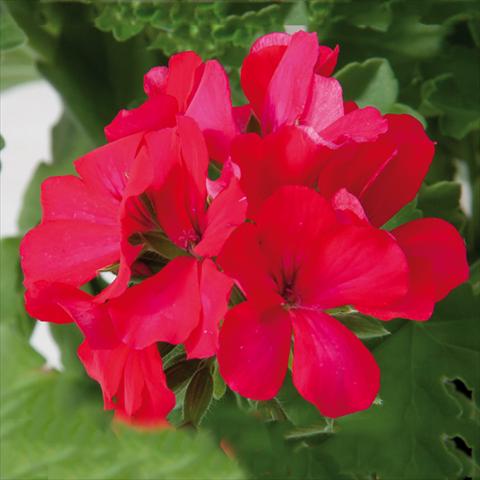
(289, 86)
(211, 108)
(348, 209)
(155, 81)
(362, 125)
(325, 104)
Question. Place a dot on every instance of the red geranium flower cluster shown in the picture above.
(293, 223)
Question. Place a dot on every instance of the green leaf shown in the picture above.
(377, 15)
(198, 396)
(11, 35)
(369, 83)
(53, 427)
(442, 200)
(120, 19)
(454, 94)
(17, 67)
(363, 326)
(219, 386)
(475, 277)
(179, 373)
(419, 413)
(263, 447)
(68, 338)
(408, 213)
(12, 311)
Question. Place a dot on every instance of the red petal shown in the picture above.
(249, 153)
(211, 108)
(132, 384)
(68, 251)
(386, 174)
(290, 225)
(163, 308)
(225, 213)
(242, 259)
(132, 381)
(158, 399)
(398, 183)
(437, 264)
(182, 69)
(331, 367)
(254, 350)
(68, 198)
(105, 169)
(230, 171)
(348, 209)
(285, 157)
(106, 367)
(273, 39)
(327, 60)
(259, 66)
(178, 188)
(215, 290)
(289, 86)
(157, 112)
(59, 303)
(362, 125)
(325, 104)
(155, 81)
(353, 167)
(355, 265)
(195, 159)
(242, 116)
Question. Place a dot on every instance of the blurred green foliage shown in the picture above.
(402, 56)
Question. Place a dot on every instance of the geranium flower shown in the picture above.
(300, 258)
(188, 86)
(311, 137)
(285, 78)
(141, 202)
(132, 381)
(294, 263)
